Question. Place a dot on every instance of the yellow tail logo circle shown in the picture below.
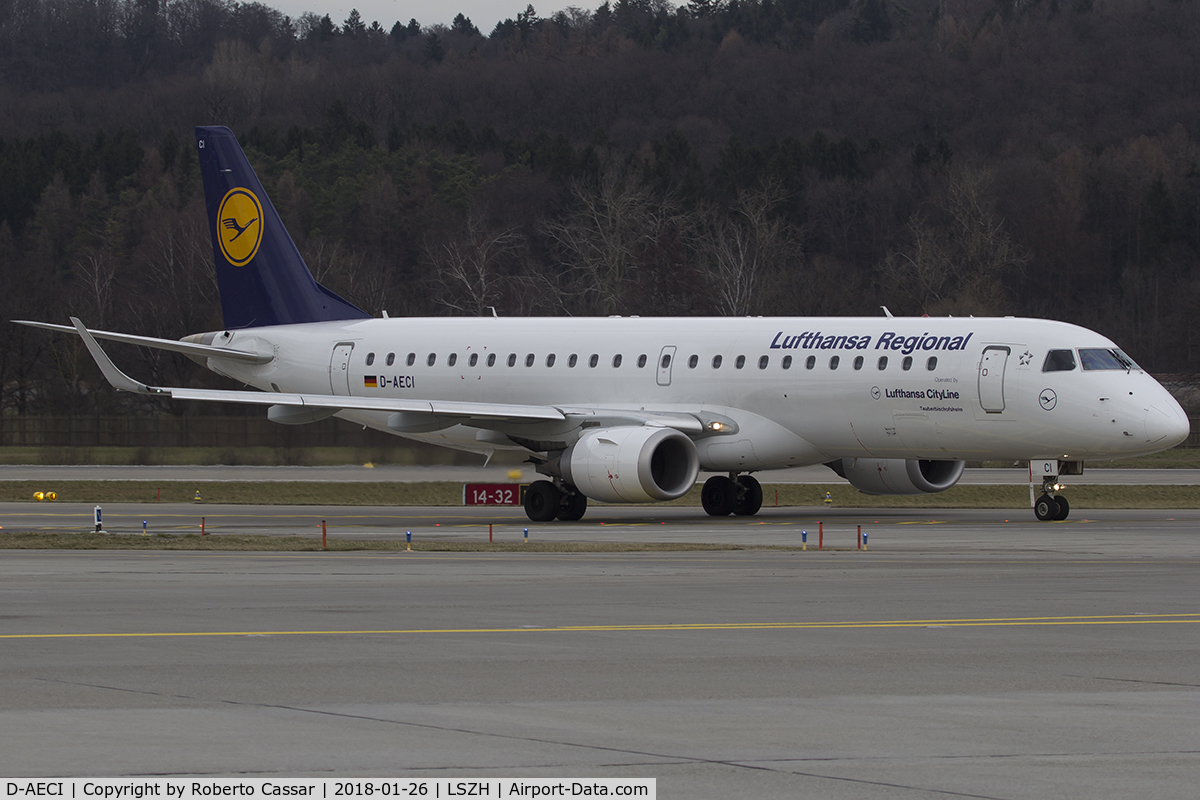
(239, 226)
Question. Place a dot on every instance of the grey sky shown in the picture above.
(484, 13)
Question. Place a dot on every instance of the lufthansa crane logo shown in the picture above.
(1048, 399)
(239, 226)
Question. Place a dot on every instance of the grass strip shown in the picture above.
(407, 454)
(450, 494)
(62, 540)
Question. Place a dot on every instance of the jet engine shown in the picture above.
(898, 475)
(631, 464)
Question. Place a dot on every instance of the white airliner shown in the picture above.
(628, 409)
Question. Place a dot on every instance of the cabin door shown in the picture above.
(991, 378)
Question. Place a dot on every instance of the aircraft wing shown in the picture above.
(500, 411)
(187, 348)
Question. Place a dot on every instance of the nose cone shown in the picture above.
(1166, 424)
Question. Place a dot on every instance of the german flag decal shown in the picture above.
(369, 382)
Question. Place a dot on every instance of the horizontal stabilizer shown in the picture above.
(186, 348)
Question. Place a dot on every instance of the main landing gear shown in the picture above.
(544, 501)
(1050, 505)
(735, 494)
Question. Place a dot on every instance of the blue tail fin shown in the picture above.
(262, 278)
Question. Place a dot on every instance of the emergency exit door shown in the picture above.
(339, 369)
(666, 360)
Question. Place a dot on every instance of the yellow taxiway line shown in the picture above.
(1125, 619)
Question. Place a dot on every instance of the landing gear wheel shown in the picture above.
(572, 507)
(719, 496)
(542, 500)
(1064, 508)
(750, 496)
(1046, 508)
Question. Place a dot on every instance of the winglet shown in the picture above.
(120, 381)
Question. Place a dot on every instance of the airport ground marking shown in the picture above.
(1110, 619)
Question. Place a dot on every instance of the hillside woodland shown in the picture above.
(1036, 157)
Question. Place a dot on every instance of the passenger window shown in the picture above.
(370, 359)
(763, 361)
(641, 361)
(474, 359)
(787, 362)
(573, 360)
(1059, 361)
(716, 362)
(858, 362)
(529, 360)
(693, 361)
(512, 359)
(391, 359)
(739, 362)
(452, 360)
(412, 359)
(906, 364)
(550, 360)
(666, 360)
(810, 362)
(432, 359)
(834, 361)
(883, 362)
(931, 364)
(491, 361)
(617, 360)
(593, 360)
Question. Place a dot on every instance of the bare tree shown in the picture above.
(959, 265)
(600, 241)
(467, 269)
(747, 245)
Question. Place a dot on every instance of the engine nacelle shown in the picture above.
(631, 464)
(898, 475)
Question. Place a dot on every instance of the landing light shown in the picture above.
(715, 426)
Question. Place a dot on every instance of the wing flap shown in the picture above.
(342, 402)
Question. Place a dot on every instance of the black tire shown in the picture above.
(542, 500)
(1046, 508)
(1064, 508)
(750, 496)
(718, 496)
(572, 508)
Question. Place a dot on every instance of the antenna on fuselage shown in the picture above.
(887, 313)
(493, 308)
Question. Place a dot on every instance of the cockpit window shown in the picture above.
(1104, 358)
(1059, 361)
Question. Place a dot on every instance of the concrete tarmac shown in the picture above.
(964, 654)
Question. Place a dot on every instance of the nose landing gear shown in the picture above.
(1051, 506)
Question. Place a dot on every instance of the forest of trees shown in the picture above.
(1028, 157)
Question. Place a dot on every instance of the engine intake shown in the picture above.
(631, 464)
(898, 475)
